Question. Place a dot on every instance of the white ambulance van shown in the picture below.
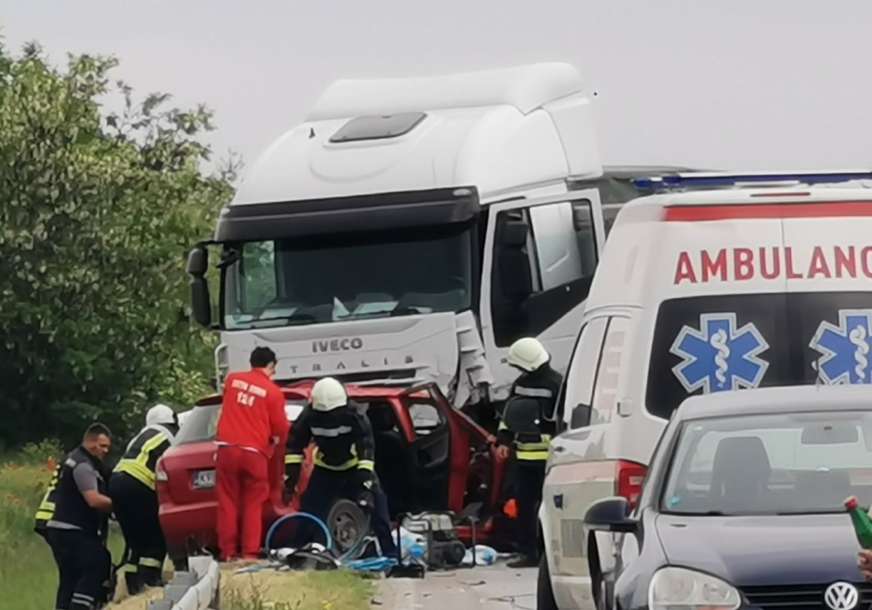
(698, 291)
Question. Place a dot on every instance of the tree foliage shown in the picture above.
(97, 213)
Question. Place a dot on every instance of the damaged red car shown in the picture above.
(429, 457)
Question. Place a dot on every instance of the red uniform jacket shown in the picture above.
(252, 412)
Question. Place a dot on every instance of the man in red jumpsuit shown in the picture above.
(252, 424)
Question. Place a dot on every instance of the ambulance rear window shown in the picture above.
(731, 342)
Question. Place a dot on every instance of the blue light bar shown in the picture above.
(727, 179)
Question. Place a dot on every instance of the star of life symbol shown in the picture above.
(719, 356)
(845, 348)
(842, 596)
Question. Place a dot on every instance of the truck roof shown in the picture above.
(525, 88)
(495, 130)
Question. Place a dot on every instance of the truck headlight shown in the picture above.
(683, 589)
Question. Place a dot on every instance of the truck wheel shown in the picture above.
(544, 593)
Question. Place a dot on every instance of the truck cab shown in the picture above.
(409, 230)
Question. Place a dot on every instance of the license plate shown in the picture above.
(204, 479)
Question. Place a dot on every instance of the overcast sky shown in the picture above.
(726, 84)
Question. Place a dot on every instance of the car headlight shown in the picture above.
(683, 589)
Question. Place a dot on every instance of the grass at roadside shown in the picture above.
(28, 577)
(295, 591)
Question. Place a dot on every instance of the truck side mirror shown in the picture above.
(201, 306)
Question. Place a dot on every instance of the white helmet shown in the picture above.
(328, 394)
(528, 354)
(160, 414)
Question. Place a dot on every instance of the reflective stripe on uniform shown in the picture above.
(347, 465)
(366, 465)
(148, 562)
(533, 392)
(533, 451)
(293, 458)
(332, 432)
(44, 515)
(530, 456)
(138, 467)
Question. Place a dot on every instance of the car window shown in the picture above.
(201, 423)
(425, 418)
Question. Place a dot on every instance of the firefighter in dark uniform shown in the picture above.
(344, 459)
(526, 427)
(73, 517)
(132, 489)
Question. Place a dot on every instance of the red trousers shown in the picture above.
(243, 488)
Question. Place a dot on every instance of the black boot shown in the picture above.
(151, 577)
(134, 583)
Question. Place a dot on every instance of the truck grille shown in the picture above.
(800, 597)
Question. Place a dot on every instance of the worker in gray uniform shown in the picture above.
(73, 517)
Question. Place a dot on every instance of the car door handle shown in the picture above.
(559, 449)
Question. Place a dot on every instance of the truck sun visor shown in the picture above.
(382, 211)
(377, 127)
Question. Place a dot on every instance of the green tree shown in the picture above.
(97, 212)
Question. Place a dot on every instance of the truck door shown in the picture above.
(539, 260)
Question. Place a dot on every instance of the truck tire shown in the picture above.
(544, 593)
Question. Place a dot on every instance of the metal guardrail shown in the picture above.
(195, 589)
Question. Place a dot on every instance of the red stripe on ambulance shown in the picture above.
(842, 209)
(770, 263)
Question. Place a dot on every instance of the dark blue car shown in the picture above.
(743, 506)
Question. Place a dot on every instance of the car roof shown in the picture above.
(793, 399)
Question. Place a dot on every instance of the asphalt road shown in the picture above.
(483, 588)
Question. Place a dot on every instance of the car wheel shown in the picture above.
(348, 525)
(544, 593)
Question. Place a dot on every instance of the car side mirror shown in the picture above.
(581, 415)
(201, 305)
(610, 515)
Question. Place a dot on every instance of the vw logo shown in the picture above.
(842, 596)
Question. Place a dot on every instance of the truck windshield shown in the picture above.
(318, 279)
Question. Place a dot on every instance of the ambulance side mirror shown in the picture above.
(581, 415)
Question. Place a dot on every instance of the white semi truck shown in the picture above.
(411, 229)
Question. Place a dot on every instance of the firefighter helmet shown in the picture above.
(160, 414)
(528, 354)
(328, 394)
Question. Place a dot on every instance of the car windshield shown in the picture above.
(796, 463)
(362, 275)
(201, 423)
